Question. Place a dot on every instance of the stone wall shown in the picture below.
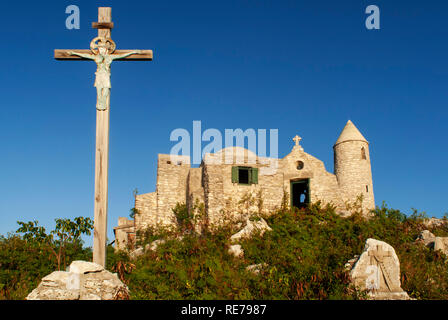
(195, 190)
(124, 233)
(213, 190)
(146, 205)
(172, 173)
(211, 183)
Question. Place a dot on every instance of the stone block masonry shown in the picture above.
(226, 177)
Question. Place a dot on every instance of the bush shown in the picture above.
(26, 259)
(303, 257)
(305, 254)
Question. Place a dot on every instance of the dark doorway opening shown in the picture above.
(300, 193)
(243, 175)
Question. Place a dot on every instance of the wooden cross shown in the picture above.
(104, 26)
(297, 140)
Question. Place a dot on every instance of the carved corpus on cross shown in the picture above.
(102, 51)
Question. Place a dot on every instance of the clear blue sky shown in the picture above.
(303, 67)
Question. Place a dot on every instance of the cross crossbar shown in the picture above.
(102, 25)
(62, 54)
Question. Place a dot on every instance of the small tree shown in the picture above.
(65, 232)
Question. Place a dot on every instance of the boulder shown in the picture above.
(441, 243)
(350, 263)
(150, 246)
(377, 270)
(83, 281)
(427, 238)
(82, 267)
(236, 251)
(256, 268)
(136, 253)
(154, 245)
(437, 243)
(250, 229)
(434, 222)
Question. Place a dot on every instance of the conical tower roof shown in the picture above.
(350, 133)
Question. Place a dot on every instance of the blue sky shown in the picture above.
(302, 67)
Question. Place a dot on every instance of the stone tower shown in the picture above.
(352, 166)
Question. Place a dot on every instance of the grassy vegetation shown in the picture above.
(305, 254)
(304, 257)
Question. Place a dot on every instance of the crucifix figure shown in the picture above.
(103, 57)
(102, 51)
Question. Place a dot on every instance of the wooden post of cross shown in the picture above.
(102, 51)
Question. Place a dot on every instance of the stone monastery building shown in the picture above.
(225, 177)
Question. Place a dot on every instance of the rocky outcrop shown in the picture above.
(441, 243)
(350, 263)
(155, 244)
(427, 238)
(431, 241)
(136, 253)
(236, 251)
(256, 268)
(251, 228)
(377, 270)
(149, 247)
(83, 281)
(434, 222)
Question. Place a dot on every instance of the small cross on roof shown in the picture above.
(297, 140)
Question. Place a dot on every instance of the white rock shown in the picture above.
(83, 267)
(41, 293)
(55, 279)
(88, 283)
(155, 244)
(434, 222)
(137, 253)
(441, 243)
(91, 296)
(250, 229)
(378, 270)
(236, 250)
(73, 281)
(256, 268)
(427, 237)
(350, 263)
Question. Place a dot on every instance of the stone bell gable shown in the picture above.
(229, 175)
(323, 185)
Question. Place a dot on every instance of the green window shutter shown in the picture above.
(254, 175)
(234, 174)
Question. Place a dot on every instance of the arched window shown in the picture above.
(363, 154)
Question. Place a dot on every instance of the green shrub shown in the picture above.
(303, 257)
(305, 254)
(26, 259)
